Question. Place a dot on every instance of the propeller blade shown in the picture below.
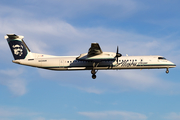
(117, 60)
(117, 50)
(118, 54)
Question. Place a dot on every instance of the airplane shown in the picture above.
(94, 60)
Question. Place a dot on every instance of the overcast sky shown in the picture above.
(69, 27)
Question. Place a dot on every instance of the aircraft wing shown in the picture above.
(96, 54)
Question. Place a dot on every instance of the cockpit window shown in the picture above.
(161, 58)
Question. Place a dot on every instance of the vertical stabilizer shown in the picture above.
(18, 47)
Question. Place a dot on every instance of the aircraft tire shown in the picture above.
(93, 76)
(167, 71)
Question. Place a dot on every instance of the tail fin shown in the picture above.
(18, 47)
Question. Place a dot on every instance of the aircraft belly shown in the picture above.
(29, 62)
(55, 64)
(144, 67)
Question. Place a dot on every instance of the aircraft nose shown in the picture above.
(173, 65)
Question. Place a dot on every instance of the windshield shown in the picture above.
(161, 58)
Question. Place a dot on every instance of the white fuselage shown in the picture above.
(70, 63)
(94, 60)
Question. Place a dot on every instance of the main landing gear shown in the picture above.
(167, 70)
(93, 72)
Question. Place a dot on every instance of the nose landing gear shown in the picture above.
(167, 71)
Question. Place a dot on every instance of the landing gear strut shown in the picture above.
(93, 72)
(167, 71)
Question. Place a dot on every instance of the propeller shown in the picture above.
(118, 54)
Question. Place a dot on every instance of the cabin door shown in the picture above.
(61, 63)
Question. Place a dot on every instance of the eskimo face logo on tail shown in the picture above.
(18, 49)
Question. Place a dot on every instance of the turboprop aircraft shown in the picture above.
(94, 60)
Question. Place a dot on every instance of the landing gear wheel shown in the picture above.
(94, 76)
(93, 72)
(167, 71)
